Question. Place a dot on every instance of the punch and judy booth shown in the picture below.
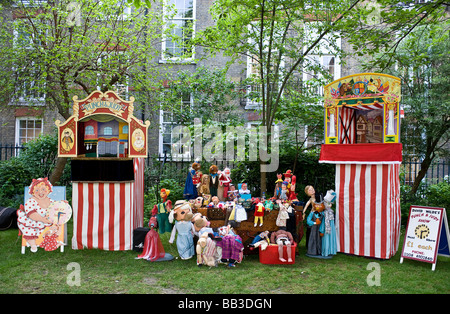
(362, 138)
(107, 144)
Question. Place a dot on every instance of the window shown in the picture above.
(107, 130)
(181, 26)
(89, 130)
(167, 141)
(322, 58)
(28, 129)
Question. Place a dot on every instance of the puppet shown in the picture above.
(261, 240)
(231, 245)
(224, 182)
(153, 249)
(317, 227)
(277, 192)
(284, 191)
(206, 251)
(282, 214)
(259, 213)
(329, 242)
(162, 211)
(204, 186)
(213, 180)
(183, 225)
(309, 190)
(283, 238)
(243, 189)
(33, 217)
(190, 187)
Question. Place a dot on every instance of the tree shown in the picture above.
(422, 62)
(279, 35)
(53, 50)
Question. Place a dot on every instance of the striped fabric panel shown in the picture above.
(368, 209)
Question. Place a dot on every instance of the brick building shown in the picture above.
(20, 122)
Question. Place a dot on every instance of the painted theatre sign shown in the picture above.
(102, 125)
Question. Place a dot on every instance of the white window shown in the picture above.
(181, 25)
(27, 129)
(322, 58)
(170, 144)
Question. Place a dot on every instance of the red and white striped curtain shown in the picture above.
(347, 126)
(106, 213)
(368, 209)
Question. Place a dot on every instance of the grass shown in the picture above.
(106, 272)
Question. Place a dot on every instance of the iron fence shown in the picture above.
(9, 150)
(439, 170)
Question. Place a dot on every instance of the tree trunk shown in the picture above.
(263, 179)
(58, 170)
(423, 171)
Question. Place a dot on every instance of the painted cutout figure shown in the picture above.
(33, 217)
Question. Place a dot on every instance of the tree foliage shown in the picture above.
(60, 49)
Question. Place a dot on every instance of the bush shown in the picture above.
(36, 160)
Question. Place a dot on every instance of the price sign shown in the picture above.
(423, 234)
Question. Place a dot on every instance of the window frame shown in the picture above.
(17, 136)
(166, 22)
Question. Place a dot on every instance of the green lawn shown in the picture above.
(119, 272)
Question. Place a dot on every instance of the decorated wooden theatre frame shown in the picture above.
(107, 145)
(362, 138)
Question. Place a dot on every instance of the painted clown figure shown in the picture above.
(33, 217)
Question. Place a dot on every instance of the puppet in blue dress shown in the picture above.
(192, 180)
(183, 225)
(329, 242)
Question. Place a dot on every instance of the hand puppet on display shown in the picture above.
(261, 240)
(204, 186)
(224, 182)
(190, 187)
(153, 249)
(214, 202)
(244, 189)
(33, 218)
(292, 194)
(213, 180)
(283, 238)
(284, 191)
(329, 241)
(277, 192)
(231, 245)
(259, 213)
(283, 214)
(309, 190)
(162, 212)
(317, 229)
(183, 225)
(198, 202)
(201, 225)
